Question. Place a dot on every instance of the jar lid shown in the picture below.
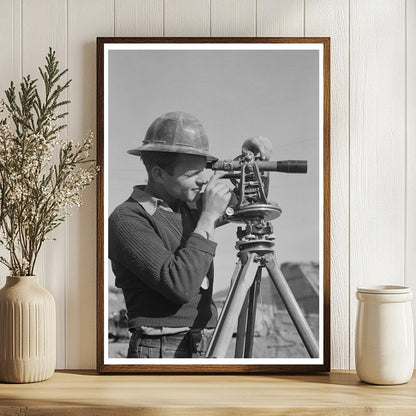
(384, 289)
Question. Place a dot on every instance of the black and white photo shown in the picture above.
(213, 205)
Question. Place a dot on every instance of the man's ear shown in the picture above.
(158, 175)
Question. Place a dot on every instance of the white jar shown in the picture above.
(384, 337)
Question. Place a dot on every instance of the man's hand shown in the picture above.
(260, 146)
(216, 196)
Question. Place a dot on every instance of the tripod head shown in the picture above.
(250, 175)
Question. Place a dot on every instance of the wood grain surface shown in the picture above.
(377, 148)
(280, 18)
(331, 18)
(187, 18)
(233, 18)
(84, 20)
(84, 392)
(138, 18)
(410, 261)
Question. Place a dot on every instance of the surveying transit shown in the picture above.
(255, 245)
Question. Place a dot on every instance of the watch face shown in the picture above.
(205, 283)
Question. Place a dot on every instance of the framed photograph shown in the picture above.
(213, 195)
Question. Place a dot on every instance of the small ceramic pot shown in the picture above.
(384, 338)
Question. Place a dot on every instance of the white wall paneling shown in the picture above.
(138, 18)
(280, 18)
(10, 43)
(411, 149)
(373, 132)
(330, 18)
(86, 19)
(377, 146)
(233, 18)
(10, 62)
(187, 18)
(44, 25)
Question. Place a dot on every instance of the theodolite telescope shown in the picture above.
(287, 166)
(250, 175)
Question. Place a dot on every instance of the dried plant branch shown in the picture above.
(41, 176)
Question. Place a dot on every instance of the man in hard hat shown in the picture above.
(161, 241)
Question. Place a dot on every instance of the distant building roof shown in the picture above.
(303, 280)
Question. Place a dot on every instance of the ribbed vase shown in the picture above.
(27, 331)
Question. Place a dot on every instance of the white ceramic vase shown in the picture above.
(27, 331)
(384, 340)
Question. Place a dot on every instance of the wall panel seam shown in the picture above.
(21, 39)
(304, 18)
(65, 346)
(210, 18)
(405, 146)
(349, 185)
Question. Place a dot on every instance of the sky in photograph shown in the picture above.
(236, 95)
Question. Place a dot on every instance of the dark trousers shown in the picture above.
(189, 344)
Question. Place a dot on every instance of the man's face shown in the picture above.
(188, 178)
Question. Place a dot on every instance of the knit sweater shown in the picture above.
(160, 263)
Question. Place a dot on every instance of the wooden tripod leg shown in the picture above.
(292, 306)
(251, 314)
(241, 340)
(245, 275)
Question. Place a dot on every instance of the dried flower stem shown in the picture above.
(37, 194)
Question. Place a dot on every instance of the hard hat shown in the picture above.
(175, 132)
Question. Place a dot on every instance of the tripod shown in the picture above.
(255, 251)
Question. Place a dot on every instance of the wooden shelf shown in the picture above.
(87, 393)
